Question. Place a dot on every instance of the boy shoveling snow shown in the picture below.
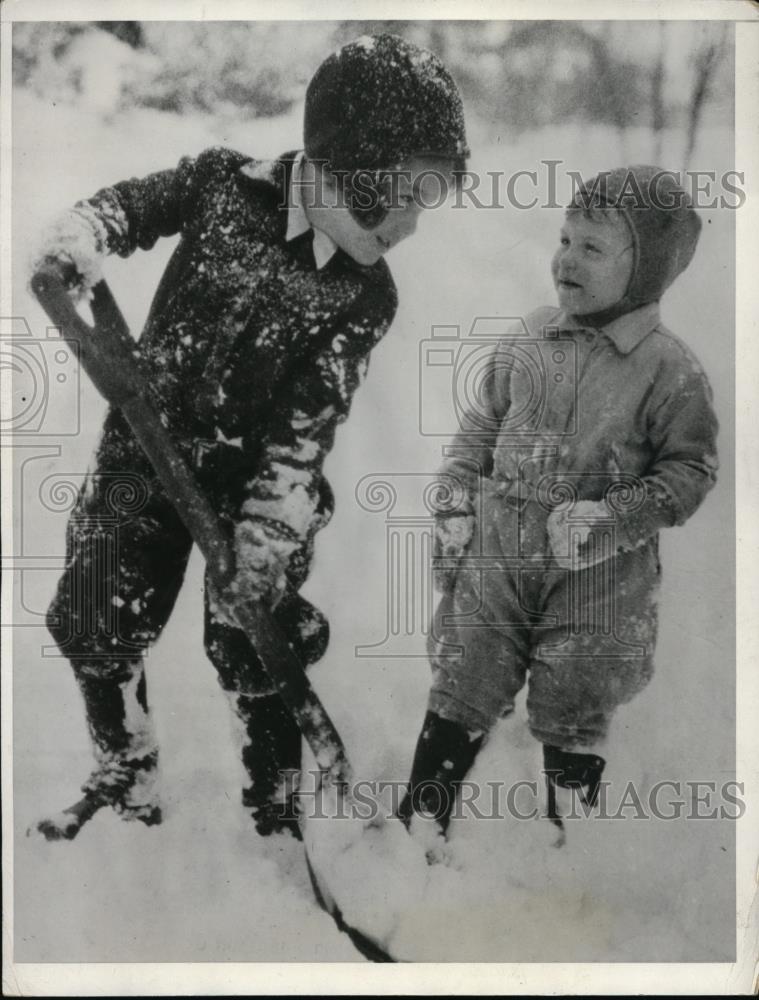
(256, 341)
(593, 430)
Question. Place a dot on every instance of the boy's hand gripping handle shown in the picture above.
(108, 354)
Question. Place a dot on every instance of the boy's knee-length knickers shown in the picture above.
(582, 640)
(127, 551)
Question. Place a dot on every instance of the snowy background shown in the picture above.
(90, 108)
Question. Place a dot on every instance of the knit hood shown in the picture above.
(662, 221)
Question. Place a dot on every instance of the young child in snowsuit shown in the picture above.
(594, 430)
(257, 339)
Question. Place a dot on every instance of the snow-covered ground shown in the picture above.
(203, 887)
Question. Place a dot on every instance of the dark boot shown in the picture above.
(580, 772)
(122, 736)
(124, 745)
(444, 755)
(271, 754)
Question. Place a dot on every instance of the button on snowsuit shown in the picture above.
(568, 414)
(253, 356)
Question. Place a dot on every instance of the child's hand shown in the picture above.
(453, 533)
(262, 554)
(72, 248)
(571, 533)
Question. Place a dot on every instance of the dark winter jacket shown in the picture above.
(246, 341)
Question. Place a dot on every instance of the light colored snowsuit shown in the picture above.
(569, 413)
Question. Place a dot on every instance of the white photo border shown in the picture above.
(136, 979)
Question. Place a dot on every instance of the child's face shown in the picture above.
(593, 264)
(417, 184)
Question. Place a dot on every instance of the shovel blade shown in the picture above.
(369, 948)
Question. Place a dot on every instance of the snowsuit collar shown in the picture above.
(625, 332)
(324, 247)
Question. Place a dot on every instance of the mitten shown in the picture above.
(452, 535)
(74, 246)
(263, 550)
(575, 542)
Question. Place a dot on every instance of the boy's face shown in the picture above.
(416, 185)
(593, 264)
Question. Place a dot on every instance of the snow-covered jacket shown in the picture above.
(247, 345)
(623, 414)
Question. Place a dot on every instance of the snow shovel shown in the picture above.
(108, 354)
